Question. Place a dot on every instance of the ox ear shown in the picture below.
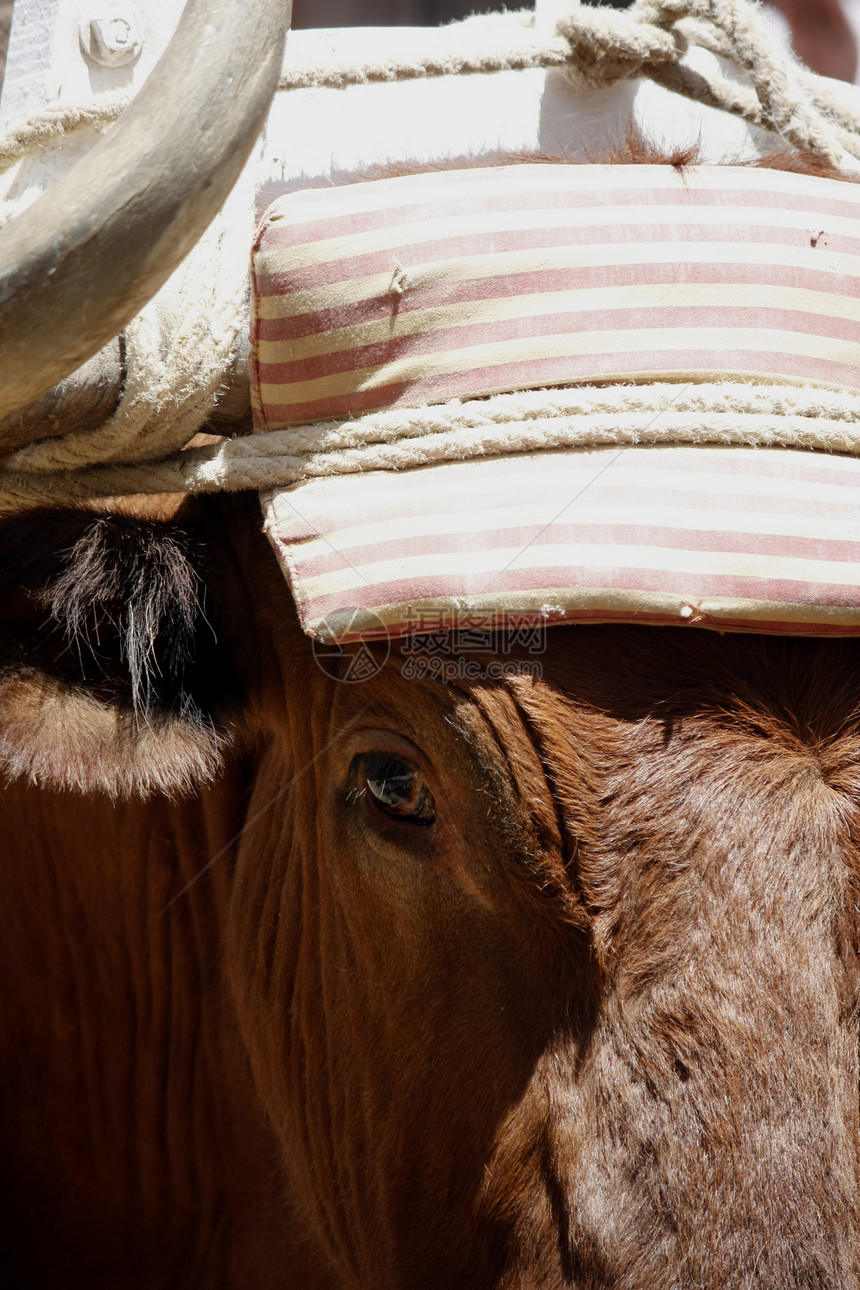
(112, 673)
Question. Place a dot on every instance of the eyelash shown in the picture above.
(386, 771)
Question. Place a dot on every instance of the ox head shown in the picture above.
(544, 981)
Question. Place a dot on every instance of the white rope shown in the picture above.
(785, 107)
(172, 383)
(595, 45)
(55, 123)
(716, 412)
(599, 46)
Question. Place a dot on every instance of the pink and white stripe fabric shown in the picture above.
(463, 283)
(728, 538)
(410, 291)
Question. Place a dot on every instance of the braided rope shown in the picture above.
(724, 412)
(785, 108)
(55, 123)
(599, 46)
(168, 394)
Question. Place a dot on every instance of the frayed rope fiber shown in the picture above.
(725, 413)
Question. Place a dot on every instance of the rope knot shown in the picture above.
(606, 45)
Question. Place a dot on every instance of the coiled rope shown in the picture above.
(171, 389)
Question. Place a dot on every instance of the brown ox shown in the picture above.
(594, 1025)
(503, 983)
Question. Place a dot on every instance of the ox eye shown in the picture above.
(397, 788)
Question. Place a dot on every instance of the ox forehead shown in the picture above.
(514, 980)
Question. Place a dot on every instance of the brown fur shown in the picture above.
(632, 150)
(113, 674)
(595, 1027)
(608, 1008)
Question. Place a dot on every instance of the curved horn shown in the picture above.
(86, 257)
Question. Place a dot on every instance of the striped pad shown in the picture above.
(469, 282)
(738, 539)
